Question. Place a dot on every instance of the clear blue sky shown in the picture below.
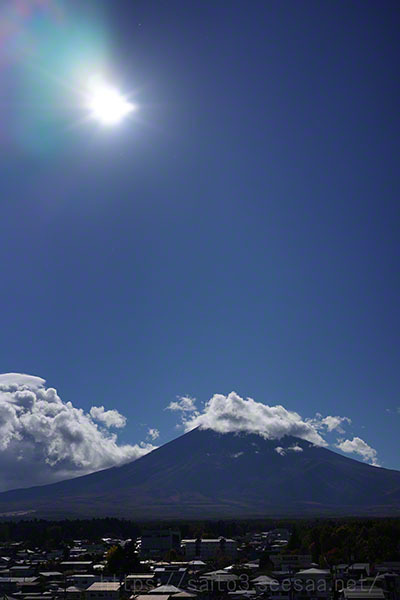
(240, 232)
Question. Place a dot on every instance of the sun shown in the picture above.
(106, 104)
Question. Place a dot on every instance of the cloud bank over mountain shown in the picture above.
(43, 439)
(233, 414)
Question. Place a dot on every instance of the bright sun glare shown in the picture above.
(106, 104)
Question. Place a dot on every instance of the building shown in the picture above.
(82, 580)
(264, 583)
(155, 543)
(220, 581)
(151, 597)
(207, 549)
(165, 590)
(49, 576)
(291, 562)
(22, 571)
(76, 565)
(103, 590)
(363, 594)
(71, 593)
(140, 583)
(313, 584)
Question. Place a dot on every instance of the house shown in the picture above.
(72, 593)
(104, 590)
(26, 586)
(76, 565)
(359, 570)
(392, 566)
(36, 596)
(218, 581)
(196, 565)
(291, 562)
(9, 585)
(4, 561)
(140, 583)
(69, 593)
(388, 582)
(151, 597)
(171, 574)
(315, 584)
(22, 571)
(363, 594)
(82, 580)
(165, 590)
(49, 576)
(263, 583)
(281, 591)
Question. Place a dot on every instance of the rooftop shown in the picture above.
(370, 594)
(207, 540)
(152, 597)
(166, 589)
(104, 586)
(313, 571)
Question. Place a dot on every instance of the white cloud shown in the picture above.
(280, 450)
(43, 439)
(358, 446)
(330, 423)
(11, 381)
(110, 418)
(283, 451)
(235, 414)
(296, 448)
(153, 434)
(183, 404)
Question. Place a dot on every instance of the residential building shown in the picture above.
(207, 549)
(104, 590)
(76, 565)
(82, 580)
(313, 584)
(140, 583)
(291, 562)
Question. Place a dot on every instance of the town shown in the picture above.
(276, 563)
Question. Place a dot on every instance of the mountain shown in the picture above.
(207, 474)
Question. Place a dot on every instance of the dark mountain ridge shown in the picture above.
(207, 474)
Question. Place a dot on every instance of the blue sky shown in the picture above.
(239, 232)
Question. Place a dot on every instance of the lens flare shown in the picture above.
(106, 104)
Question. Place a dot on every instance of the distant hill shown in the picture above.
(203, 474)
